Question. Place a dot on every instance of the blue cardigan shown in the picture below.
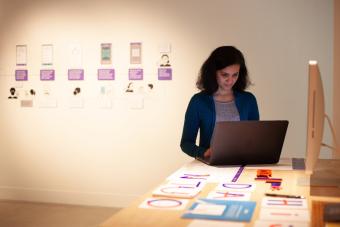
(201, 115)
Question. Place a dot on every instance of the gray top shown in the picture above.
(226, 111)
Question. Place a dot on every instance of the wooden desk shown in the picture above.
(134, 216)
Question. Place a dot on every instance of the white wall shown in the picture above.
(109, 157)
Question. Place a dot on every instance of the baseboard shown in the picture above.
(66, 197)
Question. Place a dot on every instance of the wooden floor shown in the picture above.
(27, 214)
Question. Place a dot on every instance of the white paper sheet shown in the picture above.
(164, 203)
(284, 203)
(203, 171)
(284, 214)
(229, 195)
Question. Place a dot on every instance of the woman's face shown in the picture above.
(227, 77)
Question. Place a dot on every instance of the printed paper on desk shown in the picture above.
(205, 223)
(164, 203)
(208, 209)
(188, 182)
(200, 170)
(177, 191)
(284, 214)
(284, 203)
(214, 209)
(261, 223)
(184, 174)
(229, 195)
(241, 187)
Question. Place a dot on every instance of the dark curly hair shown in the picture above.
(220, 58)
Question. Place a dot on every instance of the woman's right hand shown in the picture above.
(207, 153)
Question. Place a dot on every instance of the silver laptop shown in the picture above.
(247, 142)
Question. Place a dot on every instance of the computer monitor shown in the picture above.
(315, 120)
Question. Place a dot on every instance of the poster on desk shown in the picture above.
(221, 210)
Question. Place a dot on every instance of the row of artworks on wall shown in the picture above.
(75, 55)
(76, 72)
(105, 97)
(102, 74)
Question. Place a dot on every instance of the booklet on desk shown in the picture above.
(221, 210)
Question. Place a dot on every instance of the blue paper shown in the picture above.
(230, 210)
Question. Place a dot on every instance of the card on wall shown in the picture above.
(106, 53)
(164, 73)
(106, 74)
(135, 74)
(47, 74)
(75, 55)
(21, 75)
(21, 55)
(76, 74)
(136, 53)
(47, 54)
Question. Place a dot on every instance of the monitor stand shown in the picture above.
(325, 180)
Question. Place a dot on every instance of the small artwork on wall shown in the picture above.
(76, 74)
(47, 74)
(21, 55)
(46, 99)
(27, 100)
(13, 93)
(164, 60)
(47, 54)
(136, 74)
(106, 53)
(21, 75)
(76, 98)
(164, 73)
(106, 74)
(136, 53)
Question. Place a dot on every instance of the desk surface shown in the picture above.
(134, 216)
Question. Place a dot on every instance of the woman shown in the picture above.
(222, 80)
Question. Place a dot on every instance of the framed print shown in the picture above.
(21, 55)
(47, 74)
(76, 74)
(164, 73)
(106, 74)
(21, 75)
(47, 54)
(105, 53)
(136, 74)
(135, 53)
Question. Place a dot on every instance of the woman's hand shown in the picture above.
(207, 153)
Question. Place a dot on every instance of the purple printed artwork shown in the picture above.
(76, 74)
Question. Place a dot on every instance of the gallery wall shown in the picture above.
(110, 156)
